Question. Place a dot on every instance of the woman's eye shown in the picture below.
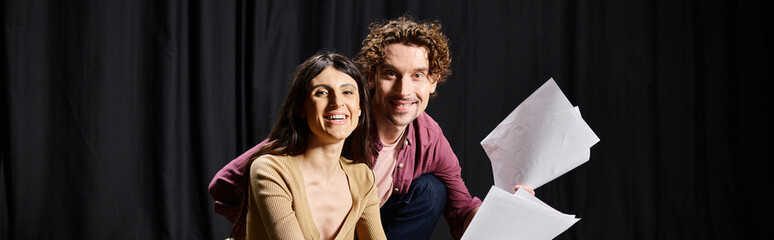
(349, 92)
(320, 92)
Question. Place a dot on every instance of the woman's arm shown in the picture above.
(369, 226)
(273, 200)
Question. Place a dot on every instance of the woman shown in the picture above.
(302, 184)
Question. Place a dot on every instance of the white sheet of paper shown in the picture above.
(518, 216)
(543, 138)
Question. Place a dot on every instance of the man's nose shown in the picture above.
(403, 86)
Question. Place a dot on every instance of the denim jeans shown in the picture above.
(413, 215)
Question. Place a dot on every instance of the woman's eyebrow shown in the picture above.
(329, 86)
(321, 85)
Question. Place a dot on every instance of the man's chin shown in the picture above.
(402, 119)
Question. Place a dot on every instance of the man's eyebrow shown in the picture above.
(387, 65)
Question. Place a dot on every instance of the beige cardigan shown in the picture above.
(279, 209)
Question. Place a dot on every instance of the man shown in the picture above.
(417, 173)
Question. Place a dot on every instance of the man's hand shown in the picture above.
(525, 188)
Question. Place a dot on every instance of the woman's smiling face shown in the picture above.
(332, 108)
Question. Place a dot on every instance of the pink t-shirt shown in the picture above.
(383, 169)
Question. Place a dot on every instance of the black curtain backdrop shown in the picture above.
(117, 114)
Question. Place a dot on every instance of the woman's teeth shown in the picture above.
(336, 117)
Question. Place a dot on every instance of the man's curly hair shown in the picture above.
(405, 30)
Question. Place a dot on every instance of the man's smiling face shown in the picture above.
(403, 85)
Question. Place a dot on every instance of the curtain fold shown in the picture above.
(117, 114)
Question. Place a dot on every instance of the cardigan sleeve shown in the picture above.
(369, 226)
(273, 199)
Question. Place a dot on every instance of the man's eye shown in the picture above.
(419, 75)
(389, 74)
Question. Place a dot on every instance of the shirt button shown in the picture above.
(407, 142)
(400, 165)
(396, 189)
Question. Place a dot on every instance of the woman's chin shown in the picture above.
(331, 137)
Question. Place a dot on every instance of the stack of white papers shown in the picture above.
(543, 138)
(517, 216)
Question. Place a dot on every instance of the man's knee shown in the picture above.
(431, 190)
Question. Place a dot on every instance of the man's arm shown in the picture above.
(459, 203)
(469, 218)
(229, 185)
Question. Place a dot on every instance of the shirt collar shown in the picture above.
(377, 142)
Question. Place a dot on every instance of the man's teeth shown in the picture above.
(336, 117)
(403, 105)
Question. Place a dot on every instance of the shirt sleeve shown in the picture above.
(369, 226)
(228, 187)
(459, 202)
(272, 197)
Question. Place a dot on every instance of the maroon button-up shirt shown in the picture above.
(425, 150)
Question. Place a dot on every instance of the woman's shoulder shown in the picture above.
(359, 171)
(355, 166)
(268, 162)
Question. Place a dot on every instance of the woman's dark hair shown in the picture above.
(290, 133)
